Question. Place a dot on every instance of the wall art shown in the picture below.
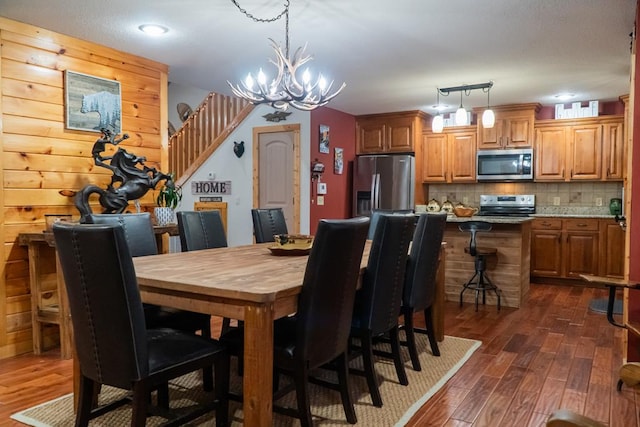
(92, 103)
(338, 161)
(324, 139)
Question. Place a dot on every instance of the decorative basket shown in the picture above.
(464, 211)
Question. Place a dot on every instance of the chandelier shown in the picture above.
(287, 87)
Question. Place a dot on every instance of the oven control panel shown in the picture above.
(519, 200)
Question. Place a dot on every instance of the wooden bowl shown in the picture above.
(463, 211)
(293, 239)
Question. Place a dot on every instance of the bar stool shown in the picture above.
(479, 282)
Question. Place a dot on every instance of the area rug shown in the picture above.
(400, 402)
(599, 305)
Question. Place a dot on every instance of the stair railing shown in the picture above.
(203, 132)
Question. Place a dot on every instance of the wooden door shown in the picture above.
(585, 152)
(399, 136)
(581, 247)
(371, 136)
(612, 151)
(581, 253)
(277, 171)
(518, 130)
(462, 156)
(490, 138)
(434, 157)
(546, 249)
(550, 147)
(612, 253)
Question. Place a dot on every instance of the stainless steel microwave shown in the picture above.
(505, 165)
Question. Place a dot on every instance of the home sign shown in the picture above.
(210, 187)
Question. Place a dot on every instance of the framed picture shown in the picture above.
(92, 103)
(324, 139)
(338, 161)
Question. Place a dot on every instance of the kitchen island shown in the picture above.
(509, 270)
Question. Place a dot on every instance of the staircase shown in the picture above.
(203, 132)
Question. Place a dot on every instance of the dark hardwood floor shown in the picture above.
(551, 353)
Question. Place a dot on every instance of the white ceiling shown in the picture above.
(391, 54)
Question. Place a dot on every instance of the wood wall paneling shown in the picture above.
(39, 157)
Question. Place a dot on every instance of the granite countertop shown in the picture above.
(573, 212)
(573, 215)
(491, 219)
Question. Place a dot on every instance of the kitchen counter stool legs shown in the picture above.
(479, 282)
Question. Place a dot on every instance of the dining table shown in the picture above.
(247, 283)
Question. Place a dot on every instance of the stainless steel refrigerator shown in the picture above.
(383, 181)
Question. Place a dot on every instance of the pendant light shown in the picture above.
(461, 117)
(488, 118)
(437, 122)
(461, 114)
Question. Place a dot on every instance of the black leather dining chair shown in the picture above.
(420, 281)
(201, 230)
(114, 346)
(377, 302)
(375, 214)
(319, 331)
(267, 222)
(138, 231)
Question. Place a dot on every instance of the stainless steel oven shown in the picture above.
(505, 165)
(507, 204)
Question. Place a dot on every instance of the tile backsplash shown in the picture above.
(593, 197)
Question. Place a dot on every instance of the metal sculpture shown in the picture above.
(129, 181)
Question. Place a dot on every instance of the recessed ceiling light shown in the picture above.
(153, 29)
(440, 107)
(565, 96)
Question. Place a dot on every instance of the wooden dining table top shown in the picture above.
(247, 273)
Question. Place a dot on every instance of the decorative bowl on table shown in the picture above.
(291, 244)
(464, 211)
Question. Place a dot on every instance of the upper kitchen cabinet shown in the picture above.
(389, 133)
(588, 149)
(450, 156)
(513, 127)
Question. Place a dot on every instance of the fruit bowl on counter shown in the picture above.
(464, 211)
(291, 244)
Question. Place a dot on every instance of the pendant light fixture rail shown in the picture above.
(488, 118)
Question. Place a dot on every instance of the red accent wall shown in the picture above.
(342, 134)
(633, 347)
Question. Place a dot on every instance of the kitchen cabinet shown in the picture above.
(612, 249)
(565, 248)
(590, 149)
(450, 156)
(581, 247)
(389, 133)
(613, 151)
(546, 241)
(514, 127)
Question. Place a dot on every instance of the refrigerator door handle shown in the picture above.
(373, 193)
(376, 193)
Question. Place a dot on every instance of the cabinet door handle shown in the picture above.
(608, 172)
(582, 224)
(571, 173)
(546, 224)
(563, 172)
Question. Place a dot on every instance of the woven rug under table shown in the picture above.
(400, 402)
